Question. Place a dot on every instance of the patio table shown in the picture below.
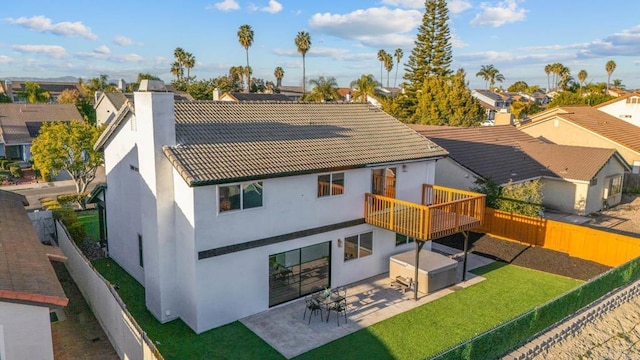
(328, 302)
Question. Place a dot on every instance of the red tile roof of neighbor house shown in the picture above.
(504, 153)
(594, 120)
(18, 122)
(221, 142)
(26, 275)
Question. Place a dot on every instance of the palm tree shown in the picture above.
(279, 74)
(189, 63)
(176, 70)
(303, 44)
(180, 55)
(617, 84)
(610, 67)
(381, 57)
(388, 65)
(245, 38)
(398, 55)
(236, 74)
(547, 70)
(325, 89)
(582, 76)
(365, 85)
(490, 74)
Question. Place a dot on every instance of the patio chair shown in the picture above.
(341, 291)
(313, 306)
(340, 307)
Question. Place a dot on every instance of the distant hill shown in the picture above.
(35, 79)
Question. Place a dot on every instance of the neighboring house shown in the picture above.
(20, 124)
(225, 209)
(616, 92)
(29, 288)
(625, 107)
(586, 126)
(574, 179)
(14, 89)
(242, 96)
(108, 104)
(493, 103)
(293, 92)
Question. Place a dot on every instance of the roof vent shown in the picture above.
(152, 86)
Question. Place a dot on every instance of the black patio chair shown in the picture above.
(313, 306)
(340, 307)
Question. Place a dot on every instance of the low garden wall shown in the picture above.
(128, 339)
(507, 336)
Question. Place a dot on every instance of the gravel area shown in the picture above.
(623, 217)
(614, 336)
(550, 261)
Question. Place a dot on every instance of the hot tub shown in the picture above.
(436, 271)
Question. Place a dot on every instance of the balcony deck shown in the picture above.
(443, 212)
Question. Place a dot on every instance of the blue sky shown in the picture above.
(122, 38)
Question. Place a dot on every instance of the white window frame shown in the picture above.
(358, 246)
(331, 184)
(242, 186)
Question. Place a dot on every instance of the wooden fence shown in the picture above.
(631, 182)
(583, 242)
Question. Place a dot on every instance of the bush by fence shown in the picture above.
(505, 337)
(126, 336)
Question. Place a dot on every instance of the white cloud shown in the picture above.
(54, 51)
(458, 6)
(225, 5)
(104, 53)
(502, 13)
(4, 59)
(372, 27)
(44, 24)
(124, 41)
(409, 4)
(457, 42)
(273, 7)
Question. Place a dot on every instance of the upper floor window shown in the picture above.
(383, 182)
(240, 196)
(330, 184)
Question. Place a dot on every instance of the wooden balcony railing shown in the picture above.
(444, 212)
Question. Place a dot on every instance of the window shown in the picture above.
(403, 239)
(358, 246)
(240, 196)
(140, 253)
(615, 186)
(330, 184)
(383, 182)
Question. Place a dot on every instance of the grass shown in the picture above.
(175, 340)
(508, 291)
(89, 218)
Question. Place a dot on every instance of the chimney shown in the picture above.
(122, 85)
(348, 97)
(216, 94)
(8, 90)
(503, 117)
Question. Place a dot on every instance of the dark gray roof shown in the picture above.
(19, 123)
(118, 98)
(505, 153)
(221, 142)
(259, 97)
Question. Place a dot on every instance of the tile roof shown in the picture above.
(599, 122)
(221, 142)
(240, 96)
(504, 153)
(26, 274)
(14, 119)
(117, 98)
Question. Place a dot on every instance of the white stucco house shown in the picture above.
(625, 107)
(575, 179)
(225, 209)
(29, 288)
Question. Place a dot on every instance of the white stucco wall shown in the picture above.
(105, 111)
(450, 174)
(25, 332)
(564, 196)
(123, 199)
(628, 112)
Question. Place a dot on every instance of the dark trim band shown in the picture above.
(276, 239)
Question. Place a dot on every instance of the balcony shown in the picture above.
(443, 212)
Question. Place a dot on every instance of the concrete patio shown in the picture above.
(369, 301)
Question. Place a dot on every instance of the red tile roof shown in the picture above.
(26, 275)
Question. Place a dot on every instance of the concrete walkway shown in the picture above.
(368, 302)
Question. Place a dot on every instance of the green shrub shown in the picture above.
(66, 215)
(15, 170)
(77, 232)
(7, 164)
(2, 162)
(73, 198)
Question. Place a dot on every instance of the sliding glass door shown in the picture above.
(299, 272)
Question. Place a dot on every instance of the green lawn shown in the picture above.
(89, 218)
(507, 291)
(176, 339)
